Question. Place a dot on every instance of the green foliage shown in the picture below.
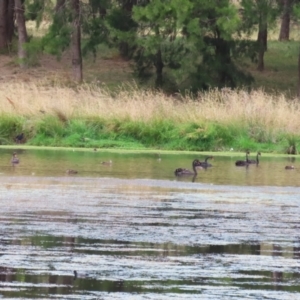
(10, 127)
(34, 10)
(293, 142)
(194, 41)
(96, 33)
(34, 50)
(206, 136)
(50, 127)
(57, 39)
(259, 13)
(122, 28)
(155, 134)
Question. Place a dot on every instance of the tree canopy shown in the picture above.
(174, 44)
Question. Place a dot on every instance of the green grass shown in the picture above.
(281, 68)
(133, 134)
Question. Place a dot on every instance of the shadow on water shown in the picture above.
(131, 230)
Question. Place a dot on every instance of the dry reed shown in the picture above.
(256, 108)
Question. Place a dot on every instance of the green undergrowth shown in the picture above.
(155, 134)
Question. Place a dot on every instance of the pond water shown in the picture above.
(132, 230)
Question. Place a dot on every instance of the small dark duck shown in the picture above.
(71, 172)
(289, 167)
(14, 160)
(107, 163)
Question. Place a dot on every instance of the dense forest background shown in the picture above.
(173, 45)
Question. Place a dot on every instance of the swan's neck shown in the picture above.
(195, 170)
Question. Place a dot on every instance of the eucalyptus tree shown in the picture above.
(7, 23)
(260, 13)
(159, 26)
(296, 13)
(190, 39)
(76, 41)
(22, 32)
(213, 28)
(122, 27)
(65, 32)
(286, 10)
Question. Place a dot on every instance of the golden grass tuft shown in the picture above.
(256, 109)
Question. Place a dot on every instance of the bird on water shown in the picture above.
(205, 164)
(14, 160)
(255, 161)
(241, 163)
(106, 163)
(71, 172)
(289, 167)
(182, 171)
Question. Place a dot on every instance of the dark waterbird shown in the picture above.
(106, 163)
(182, 171)
(19, 138)
(14, 160)
(71, 172)
(205, 164)
(242, 163)
(255, 161)
(289, 167)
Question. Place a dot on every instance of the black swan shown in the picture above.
(241, 163)
(205, 164)
(254, 161)
(181, 171)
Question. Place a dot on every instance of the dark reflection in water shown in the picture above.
(132, 231)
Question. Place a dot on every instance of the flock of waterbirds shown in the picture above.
(196, 164)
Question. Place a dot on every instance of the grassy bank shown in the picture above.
(90, 116)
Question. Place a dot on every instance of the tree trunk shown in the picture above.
(22, 32)
(159, 70)
(10, 20)
(60, 4)
(262, 39)
(284, 34)
(124, 46)
(76, 42)
(7, 23)
(3, 25)
(298, 92)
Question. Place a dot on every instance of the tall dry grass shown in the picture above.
(256, 108)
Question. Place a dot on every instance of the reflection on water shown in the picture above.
(131, 230)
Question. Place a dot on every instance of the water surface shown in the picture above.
(132, 230)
